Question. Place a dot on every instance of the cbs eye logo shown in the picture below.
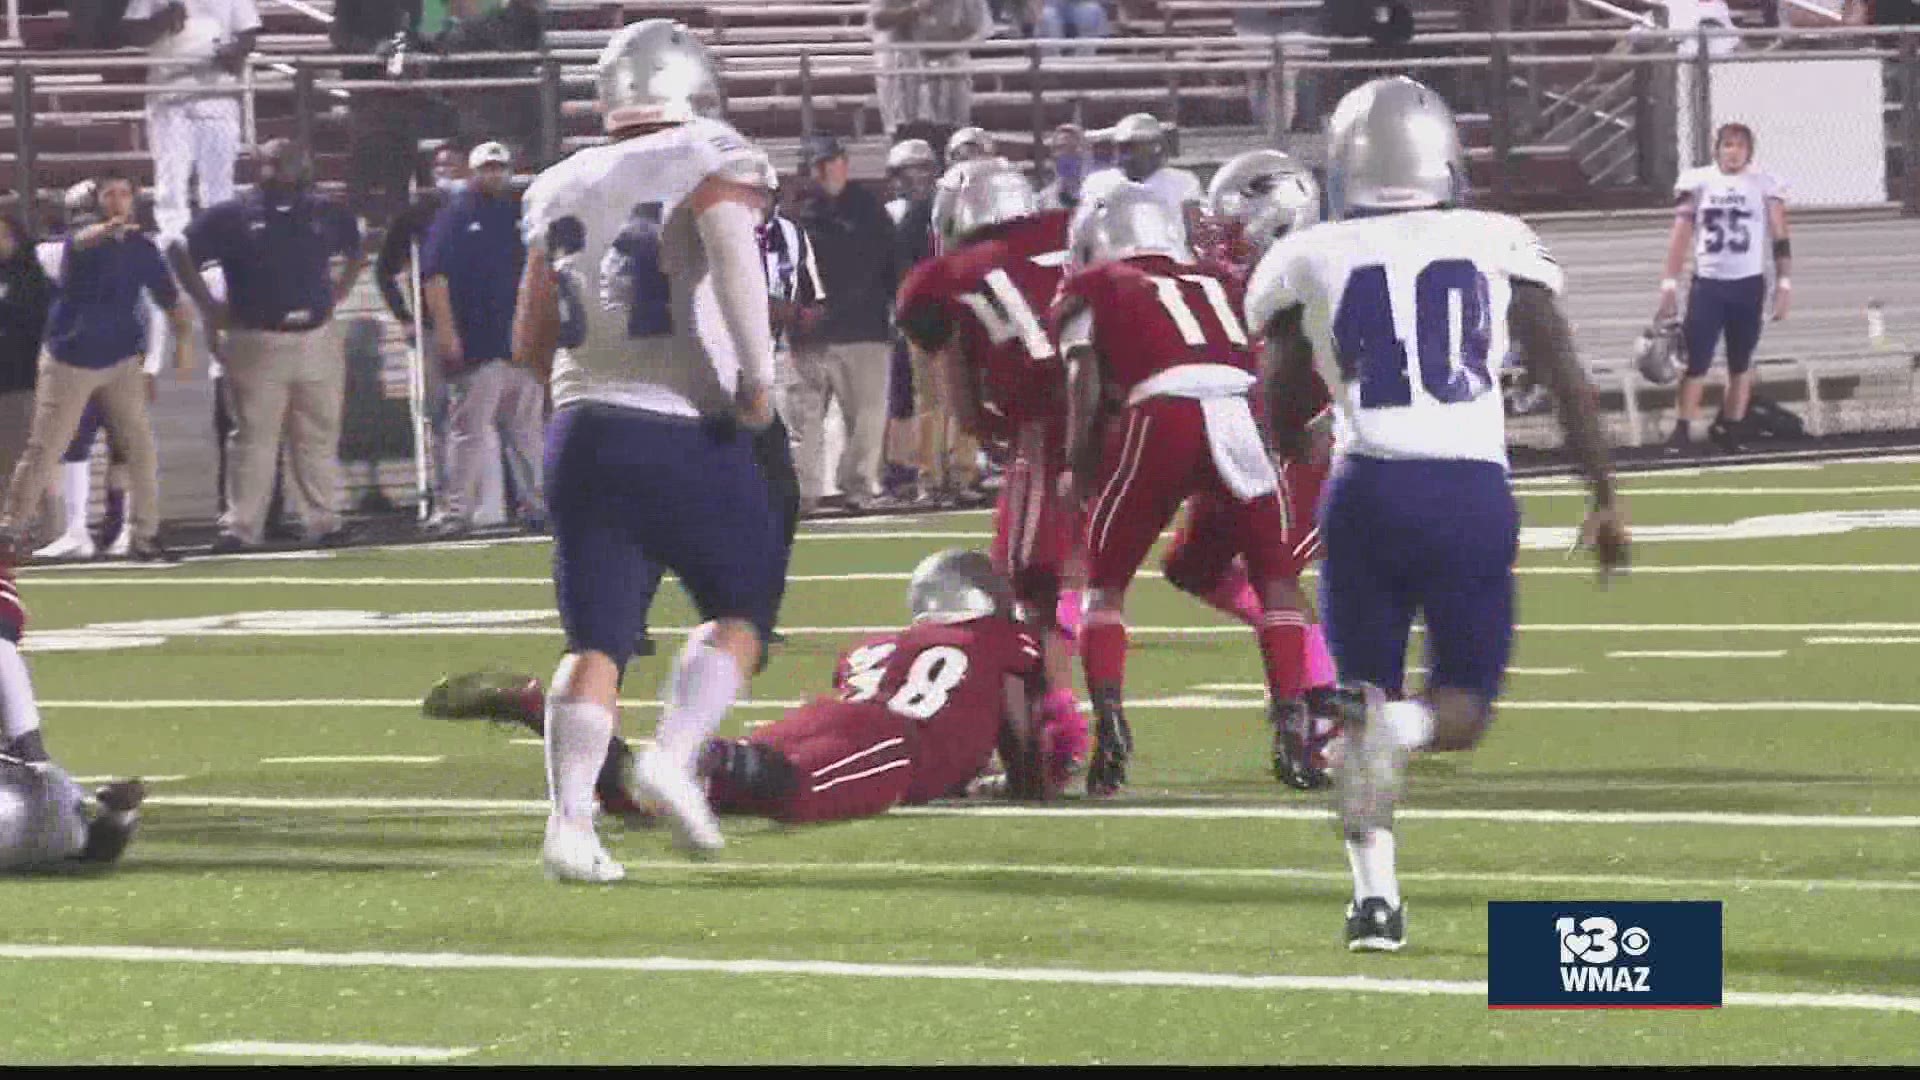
(1599, 940)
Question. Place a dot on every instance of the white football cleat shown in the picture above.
(68, 547)
(572, 853)
(1372, 763)
(676, 792)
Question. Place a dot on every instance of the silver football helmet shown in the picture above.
(910, 152)
(1268, 193)
(957, 586)
(1125, 222)
(980, 193)
(967, 144)
(655, 72)
(1660, 353)
(1392, 145)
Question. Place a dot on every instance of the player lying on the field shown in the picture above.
(45, 821)
(915, 716)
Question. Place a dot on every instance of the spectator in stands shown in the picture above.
(931, 86)
(395, 264)
(283, 349)
(386, 126)
(1069, 161)
(1079, 19)
(26, 296)
(1299, 104)
(94, 343)
(514, 112)
(846, 356)
(471, 265)
(194, 126)
(95, 24)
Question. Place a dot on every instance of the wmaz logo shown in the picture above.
(1588, 951)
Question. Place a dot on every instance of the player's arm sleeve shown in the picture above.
(728, 228)
(1525, 258)
(919, 311)
(1276, 286)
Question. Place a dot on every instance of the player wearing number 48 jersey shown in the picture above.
(1403, 300)
(645, 292)
(1160, 373)
(976, 311)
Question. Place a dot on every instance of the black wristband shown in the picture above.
(1782, 248)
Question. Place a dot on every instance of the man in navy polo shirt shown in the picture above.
(95, 343)
(471, 268)
(283, 350)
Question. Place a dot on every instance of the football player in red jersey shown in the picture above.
(1161, 370)
(977, 312)
(1254, 200)
(914, 716)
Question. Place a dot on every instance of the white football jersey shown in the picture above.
(1173, 188)
(1730, 227)
(40, 818)
(640, 324)
(1407, 314)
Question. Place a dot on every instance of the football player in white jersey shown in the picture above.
(645, 295)
(1404, 300)
(1728, 216)
(1140, 140)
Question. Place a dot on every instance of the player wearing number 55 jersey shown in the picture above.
(1161, 370)
(644, 290)
(1403, 301)
(976, 311)
(1730, 215)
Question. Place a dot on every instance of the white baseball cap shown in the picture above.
(489, 153)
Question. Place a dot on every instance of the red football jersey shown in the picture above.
(1151, 314)
(13, 613)
(949, 682)
(994, 293)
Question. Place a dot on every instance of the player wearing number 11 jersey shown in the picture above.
(1403, 300)
(645, 290)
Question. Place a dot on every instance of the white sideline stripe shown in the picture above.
(1902, 640)
(108, 779)
(362, 759)
(328, 1050)
(1175, 813)
(1177, 701)
(1176, 980)
(1697, 654)
(1862, 489)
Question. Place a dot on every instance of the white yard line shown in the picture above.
(1697, 654)
(1905, 639)
(108, 779)
(358, 759)
(1177, 980)
(343, 1051)
(1102, 811)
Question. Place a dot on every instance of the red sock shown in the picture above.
(1103, 650)
(1283, 639)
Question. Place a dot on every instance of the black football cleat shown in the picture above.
(109, 833)
(1112, 746)
(1679, 441)
(614, 788)
(1728, 435)
(1375, 926)
(1299, 759)
(499, 696)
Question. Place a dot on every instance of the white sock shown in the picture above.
(1372, 862)
(19, 715)
(702, 687)
(1411, 723)
(577, 734)
(76, 490)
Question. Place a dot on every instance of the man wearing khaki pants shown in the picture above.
(94, 344)
(276, 335)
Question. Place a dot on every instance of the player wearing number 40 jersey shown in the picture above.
(645, 291)
(1161, 370)
(976, 311)
(1403, 300)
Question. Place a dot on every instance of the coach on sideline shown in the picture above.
(95, 343)
(470, 267)
(285, 357)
